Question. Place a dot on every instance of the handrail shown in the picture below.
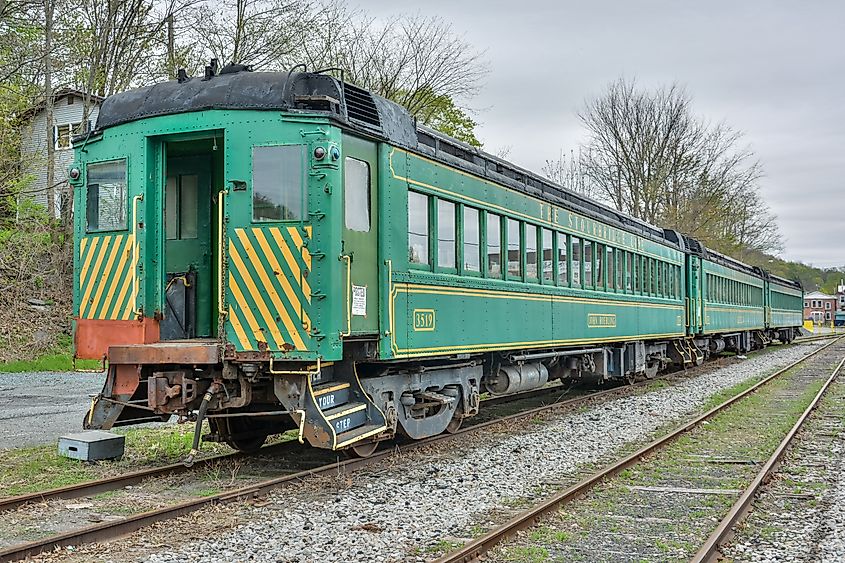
(135, 200)
(221, 294)
(348, 260)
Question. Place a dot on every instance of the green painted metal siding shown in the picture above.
(438, 311)
(283, 282)
(733, 301)
(787, 306)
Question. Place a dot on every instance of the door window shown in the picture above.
(356, 179)
(277, 183)
(181, 206)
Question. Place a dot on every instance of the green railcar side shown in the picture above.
(446, 307)
(733, 300)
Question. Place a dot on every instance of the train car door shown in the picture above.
(694, 295)
(187, 248)
(360, 233)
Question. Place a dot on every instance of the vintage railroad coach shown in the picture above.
(283, 250)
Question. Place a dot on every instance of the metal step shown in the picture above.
(346, 417)
(331, 395)
(350, 437)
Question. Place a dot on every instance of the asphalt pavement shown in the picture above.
(38, 407)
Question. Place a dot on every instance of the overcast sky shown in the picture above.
(773, 69)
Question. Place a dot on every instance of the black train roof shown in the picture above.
(370, 114)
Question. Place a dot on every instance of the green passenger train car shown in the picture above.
(285, 250)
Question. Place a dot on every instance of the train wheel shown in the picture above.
(364, 449)
(240, 433)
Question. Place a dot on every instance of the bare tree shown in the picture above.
(650, 156)
(415, 61)
(262, 33)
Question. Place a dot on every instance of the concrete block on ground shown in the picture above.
(92, 445)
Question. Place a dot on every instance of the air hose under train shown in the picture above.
(195, 448)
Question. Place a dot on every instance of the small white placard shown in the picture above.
(359, 300)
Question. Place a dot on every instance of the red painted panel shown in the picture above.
(93, 337)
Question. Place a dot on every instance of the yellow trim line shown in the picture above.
(347, 411)
(331, 389)
(361, 437)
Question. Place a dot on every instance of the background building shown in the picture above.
(68, 113)
(820, 307)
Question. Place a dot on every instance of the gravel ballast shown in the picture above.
(800, 514)
(401, 509)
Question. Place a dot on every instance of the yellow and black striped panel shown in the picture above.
(269, 297)
(105, 288)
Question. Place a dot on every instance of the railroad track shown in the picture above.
(109, 529)
(610, 505)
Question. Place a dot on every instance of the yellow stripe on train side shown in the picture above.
(241, 268)
(270, 290)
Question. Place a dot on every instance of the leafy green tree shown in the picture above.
(442, 114)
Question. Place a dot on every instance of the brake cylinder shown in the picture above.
(518, 378)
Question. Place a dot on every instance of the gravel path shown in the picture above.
(800, 514)
(401, 509)
(38, 407)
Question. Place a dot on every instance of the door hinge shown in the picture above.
(317, 214)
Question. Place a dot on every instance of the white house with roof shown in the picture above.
(68, 112)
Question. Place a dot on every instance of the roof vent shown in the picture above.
(360, 106)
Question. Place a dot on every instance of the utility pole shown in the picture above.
(48, 106)
(171, 54)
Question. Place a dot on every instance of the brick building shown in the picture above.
(820, 307)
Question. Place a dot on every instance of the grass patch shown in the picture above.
(526, 554)
(40, 467)
(60, 358)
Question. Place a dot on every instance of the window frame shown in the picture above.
(127, 204)
(346, 193)
(430, 260)
(303, 185)
(435, 234)
(521, 249)
(537, 250)
(486, 255)
(542, 258)
(462, 244)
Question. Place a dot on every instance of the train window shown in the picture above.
(445, 234)
(531, 252)
(576, 262)
(472, 240)
(599, 266)
(548, 255)
(611, 268)
(587, 249)
(514, 248)
(106, 196)
(278, 183)
(180, 207)
(494, 246)
(562, 269)
(629, 272)
(417, 228)
(678, 282)
(356, 185)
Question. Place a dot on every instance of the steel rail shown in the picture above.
(88, 488)
(111, 529)
(710, 548)
(473, 550)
